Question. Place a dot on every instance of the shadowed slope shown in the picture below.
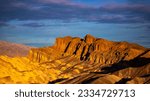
(77, 60)
(13, 49)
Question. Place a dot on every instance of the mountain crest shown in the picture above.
(89, 38)
(79, 60)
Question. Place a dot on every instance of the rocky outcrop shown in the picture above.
(79, 60)
(98, 50)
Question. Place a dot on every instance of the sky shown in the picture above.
(39, 22)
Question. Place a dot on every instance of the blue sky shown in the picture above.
(39, 22)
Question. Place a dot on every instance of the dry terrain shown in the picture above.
(76, 60)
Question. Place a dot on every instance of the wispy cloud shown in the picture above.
(139, 1)
(67, 10)
(2, 24)
(34, 25)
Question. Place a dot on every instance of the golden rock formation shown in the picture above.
(77, 60)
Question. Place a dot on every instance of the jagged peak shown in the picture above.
(89, 38)
(75, 58)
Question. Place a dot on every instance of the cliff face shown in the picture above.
(77, 60)
(99, 50)
(95, 50)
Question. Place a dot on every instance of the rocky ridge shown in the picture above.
(77, 60)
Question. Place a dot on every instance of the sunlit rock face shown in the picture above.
(79, 60)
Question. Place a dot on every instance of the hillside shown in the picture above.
(13, 49)
(79, 60)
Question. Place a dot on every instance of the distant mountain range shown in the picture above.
(76, 60)
(13, 49)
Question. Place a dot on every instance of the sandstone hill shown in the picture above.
(77, 60)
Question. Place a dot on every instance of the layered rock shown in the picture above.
(79, 60)
(97, 50)
(20, 70)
